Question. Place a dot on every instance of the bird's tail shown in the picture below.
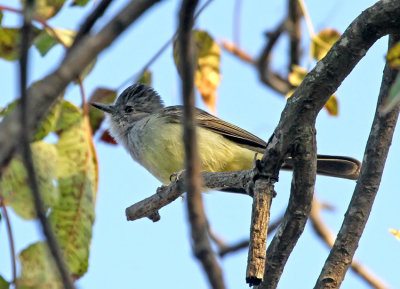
(333, 166)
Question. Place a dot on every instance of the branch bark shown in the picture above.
(296, 126)
(197, 217)
(366, 189)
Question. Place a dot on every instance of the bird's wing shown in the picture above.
(210, 122)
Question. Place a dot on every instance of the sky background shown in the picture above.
(142, 254)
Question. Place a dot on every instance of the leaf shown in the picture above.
(297, 76)
(69, 115)
(395, 233)
(322, 42)
(393, 56)
(48, 124)
(1, 19)
(107, 138)
(3, 283)
(145, 77)
(393, 98)
(73, 216)
(96, 116)
(38, 269)
(14, 184)
(332, 106)
(9, 43)
(79, 2)
(207, 74)
(46, 9)
(48, 38)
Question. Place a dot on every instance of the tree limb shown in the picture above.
(357, 214)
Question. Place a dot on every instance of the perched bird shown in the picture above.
(152, 134)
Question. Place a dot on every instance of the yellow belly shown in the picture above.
(164, 155)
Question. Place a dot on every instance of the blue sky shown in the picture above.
(142, 254)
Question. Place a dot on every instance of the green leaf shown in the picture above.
(48, 38)
(38, 269)
(1, 18)
(46, 9)
(393, 98)
(73, 216)
(79, 2)
(3, 283)
(70, 114)
(48, 124)
(14, 183)
(145, 77)
(96, 116)
(9, 43)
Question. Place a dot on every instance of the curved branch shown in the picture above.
(357, 214)
(300, 114)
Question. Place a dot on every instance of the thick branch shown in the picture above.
(299, 116)
(322, 230)
(42, 95)
(366, 189)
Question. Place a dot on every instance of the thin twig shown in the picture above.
(227, 249)
(197, 218)
(322, 230)
(27, 153)
(266, 75)
(91, 20)
(11, 241)
(359, 209)
(161, 50)
(294, 31)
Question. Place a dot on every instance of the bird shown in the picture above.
(152, 134)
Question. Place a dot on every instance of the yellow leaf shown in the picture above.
(322, 42)
(297, 75)
(393, 56)
(207, 74)
(332, 106)
(395, 233)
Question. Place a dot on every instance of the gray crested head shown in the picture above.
(141, 97)
(134, 103)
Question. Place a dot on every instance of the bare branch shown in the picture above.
(224, 250)
(197, 217)
(294, 131)
(11, 241)
(27, 153)
(294, 30)
(322, 230)
(41, 96)
(90, 21)
(367, 186)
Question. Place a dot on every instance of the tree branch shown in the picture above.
(27, 153)
(325, 234)
(42, 95)
(197, 217)
(367, 186)
(297, 121)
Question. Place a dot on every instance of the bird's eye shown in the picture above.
(128, 109)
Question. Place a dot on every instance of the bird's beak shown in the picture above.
(109, 108)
